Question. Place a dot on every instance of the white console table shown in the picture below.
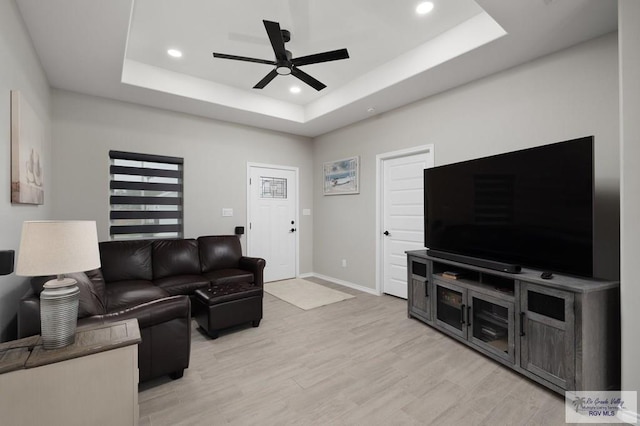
(91, 382)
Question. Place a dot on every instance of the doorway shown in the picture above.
(400, 214)
(272, 218)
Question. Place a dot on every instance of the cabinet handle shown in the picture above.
(426, 289)
(462, 314)
(521, 324)
(469, 315)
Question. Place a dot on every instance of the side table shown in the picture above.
(91, 382)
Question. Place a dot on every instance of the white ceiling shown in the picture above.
(117, 49)
(199, 27)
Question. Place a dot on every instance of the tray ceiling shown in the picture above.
(118, 49)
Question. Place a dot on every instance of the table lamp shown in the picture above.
(58, 248)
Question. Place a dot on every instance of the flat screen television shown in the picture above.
(529, 208)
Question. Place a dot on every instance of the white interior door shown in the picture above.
(402, 217)
(272, 219)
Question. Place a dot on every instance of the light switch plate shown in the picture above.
(227, 212)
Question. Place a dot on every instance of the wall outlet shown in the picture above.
(344, 263)
(227, 212)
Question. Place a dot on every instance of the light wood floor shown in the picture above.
(356, 362)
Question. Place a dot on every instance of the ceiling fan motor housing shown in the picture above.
(284, 67)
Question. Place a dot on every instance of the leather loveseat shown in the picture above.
(153, 281)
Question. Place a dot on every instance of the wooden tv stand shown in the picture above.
(562, 332)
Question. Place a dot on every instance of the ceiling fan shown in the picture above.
(284, 63)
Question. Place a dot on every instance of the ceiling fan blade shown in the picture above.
(334, 55)
(242, 58)
(266, 80)
(307, 79)
(275, 37)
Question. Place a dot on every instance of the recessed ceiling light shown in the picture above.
(371, 110)
(424, 8)
(174, 53)
(295, 89)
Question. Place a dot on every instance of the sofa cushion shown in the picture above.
(126, 260)
(182, 284)
(219, 252)
(97, 280)
(91, 298)
(91, 303)
(227, 276)
(175, 257)
(128, 293)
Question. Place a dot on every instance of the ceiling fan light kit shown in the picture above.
(284, 62)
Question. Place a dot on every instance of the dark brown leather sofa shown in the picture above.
(153, 281)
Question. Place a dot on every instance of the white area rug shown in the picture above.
(304, 294)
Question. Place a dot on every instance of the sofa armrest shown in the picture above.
(148, 314)
(256, 266)
(165, 328)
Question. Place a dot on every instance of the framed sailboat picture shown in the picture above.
(27, 135)
(342, 176)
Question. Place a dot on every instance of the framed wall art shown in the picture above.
(27, 135)
(342, 176)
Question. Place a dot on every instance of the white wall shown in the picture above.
(566, 95)
(19, 70)
(629, 16)
(215, 156)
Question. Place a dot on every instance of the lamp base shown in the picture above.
(59, 312)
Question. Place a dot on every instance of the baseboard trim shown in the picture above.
(307, 275)
(342, 283)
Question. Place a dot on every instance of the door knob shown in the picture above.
(386, 233)
(292, 230)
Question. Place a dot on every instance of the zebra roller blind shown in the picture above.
(145, 196)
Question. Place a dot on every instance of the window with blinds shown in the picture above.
(145, 196)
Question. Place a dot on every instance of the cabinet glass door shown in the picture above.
(450, 308)
(491, 325)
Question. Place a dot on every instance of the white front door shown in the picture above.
(402, 217)
(272, 219)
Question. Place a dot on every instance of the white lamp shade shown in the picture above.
(57, 247)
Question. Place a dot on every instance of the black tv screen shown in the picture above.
(532, 208)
